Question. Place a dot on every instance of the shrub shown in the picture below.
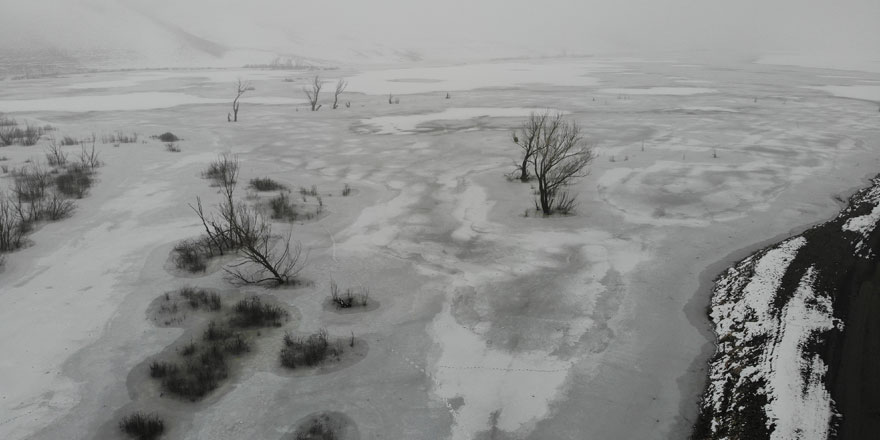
(190, 256)
(57, 207)
(11, 228)
(119, 137)
(67, 140)
(200, 297)
(75, 181)
(167, 137)
(223, 170)
(313, 191)
(55, 156)
(29, 136)
(318, 428)
(348, 298)
(346, 190)
(282, 208)
(88, 158)
(142, 426)
(216, 332)
(188, 349)
(310, 351)
(172, 147)
(236, 345)
(31, 184)
(251, 312)
(200, 375)
(162, 369)
(266, 184)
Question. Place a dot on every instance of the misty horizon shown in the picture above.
(203, 32)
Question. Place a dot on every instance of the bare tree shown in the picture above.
(262, 262)
(527, 138)
(560, 157)
(312, 92)
(237, 226)
(340, 87)
(11, 228)
(240, 88)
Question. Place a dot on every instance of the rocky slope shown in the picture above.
(797, 346)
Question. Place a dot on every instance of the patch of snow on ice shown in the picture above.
(112, 84)
(472, 212)
(473, 76)
(125, 101)
(407, 123)
(678, 91)
(521, 385)
(870, 93)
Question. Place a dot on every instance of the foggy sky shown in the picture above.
(740, 27)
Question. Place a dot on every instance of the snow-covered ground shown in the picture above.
(492, 320)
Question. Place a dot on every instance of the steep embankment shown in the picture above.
(798, 346)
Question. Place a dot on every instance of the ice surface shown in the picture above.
(473, 76)
(397, 124)
(126, 101)
(680, 91)
(866, 92)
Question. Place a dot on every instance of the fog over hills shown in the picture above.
(203, 33)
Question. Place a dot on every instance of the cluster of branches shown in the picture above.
(236, 226)
(555, 154)
(240, 88)
(39, 194)
(313, 90)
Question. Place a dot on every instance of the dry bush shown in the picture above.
(223, 170)
(119, 137)
(55, 155)
(309, 351)
(167, 137)
(319, 428)
(74, 181)
(350, 298)
(142, 426)
(56, 207)
(252, 312)
(266, 184)
(12, 231)
(198, 298)
(191, 255)
(282, 208)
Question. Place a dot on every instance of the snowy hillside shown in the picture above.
(780, 316)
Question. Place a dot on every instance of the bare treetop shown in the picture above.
(312, 91)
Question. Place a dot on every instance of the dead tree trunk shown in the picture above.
(340, 87)
(312, 91)
(240, 89)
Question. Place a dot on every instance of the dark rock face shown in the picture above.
(798, 328)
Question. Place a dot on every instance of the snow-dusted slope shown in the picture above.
(774, 314)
